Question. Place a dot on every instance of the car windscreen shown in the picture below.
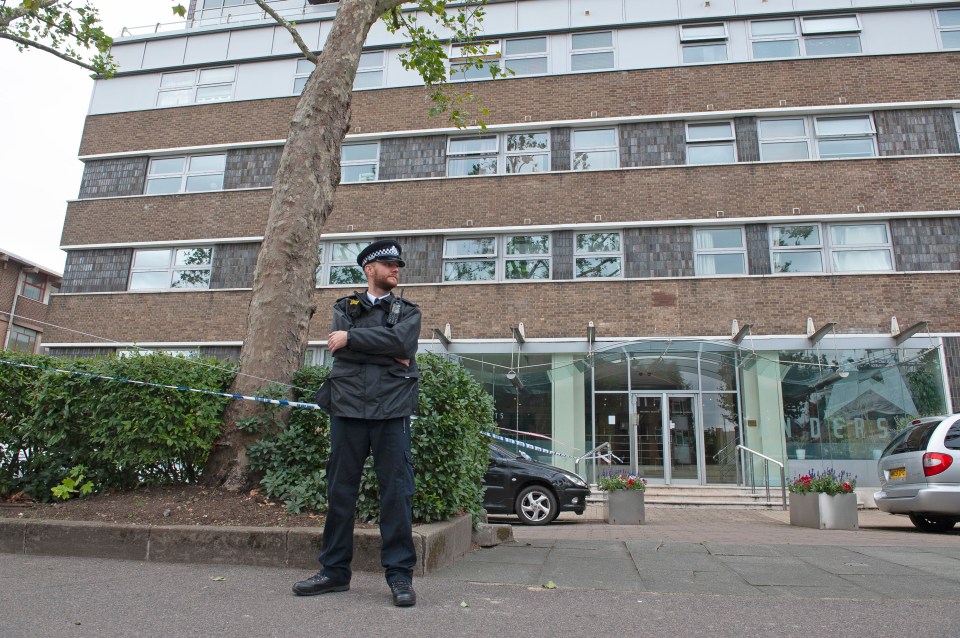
(913, 439)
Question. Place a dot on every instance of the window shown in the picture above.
(720, 251)
(22, 339)
(358, 162)
(814, 36)
(595, 149)
(189, 174)
(827, 137)
(948, 20)
(519, 56)
(704, 42)
(803, 248)
(338, 263)
(710, 143)
(34, 286)
(598, 255)
(176, 353)
(591, 51)
(498, 154)
(163, 268)
(369, 72)
(196, 86)
(493, 258)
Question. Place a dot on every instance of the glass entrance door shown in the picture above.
(668, 438)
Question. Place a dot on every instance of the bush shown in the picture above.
(448, 445)
(123, 434)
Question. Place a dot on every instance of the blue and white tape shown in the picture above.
(529, 446)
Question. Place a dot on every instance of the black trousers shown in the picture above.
(351, 441)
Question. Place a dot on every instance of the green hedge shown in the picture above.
(448, 444)
(122, 434)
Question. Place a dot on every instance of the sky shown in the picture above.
(42, 109)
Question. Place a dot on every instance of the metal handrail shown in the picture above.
(592, 454)
(766, 473)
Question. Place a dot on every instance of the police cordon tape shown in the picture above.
(283, 402)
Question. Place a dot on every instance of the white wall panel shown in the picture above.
(547, 14)
(897, 32)
(651, 10)
(129, 57)
(501, 18)
(131, 93)
(250, 43)
(809, 5)
(764, 6)
(647, 48)
(738, 47)
(696, 8)
(588, 13)
(876, 3)
(162, 53)
(265, 79)
(397, 75)
(211, 47)
(284, 44)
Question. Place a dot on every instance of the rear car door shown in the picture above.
(901, 464)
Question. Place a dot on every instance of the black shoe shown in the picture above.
(403, 594)
(318, 584)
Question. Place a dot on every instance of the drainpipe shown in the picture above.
(13, 308)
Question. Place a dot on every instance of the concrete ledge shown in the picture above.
(491, 535)
(437, 544)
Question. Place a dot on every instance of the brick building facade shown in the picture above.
(25, 291)
(714, 222)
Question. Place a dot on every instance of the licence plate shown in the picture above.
(898, 473)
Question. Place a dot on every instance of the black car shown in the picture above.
(534, 491)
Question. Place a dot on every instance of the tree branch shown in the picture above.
(36, 45)
(292, 30)
(19, 12)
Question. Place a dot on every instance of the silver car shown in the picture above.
(920, 473)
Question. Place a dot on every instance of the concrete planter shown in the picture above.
(822, 511)
(625, 507)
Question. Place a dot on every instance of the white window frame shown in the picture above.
(190, 90)
(185, 173)
(369, 68)
(301, 73)
(690, 40)
(170, 268)
(536, 55)
(327, 264)
(829, 251)
(941, 28)
(178, 353)
(589, 149)
(956, 120)
(497, 55)
(315, 355)
(720, 251)
(346, 164)
(611, 49)
(456, 58)
(812, 136)
(500, 154)
(499, 256)
(579, 254)
(722, 141)
(804, 30)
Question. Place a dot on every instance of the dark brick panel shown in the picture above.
(926, 244)
(659, 252)
(915, 132)
(560, 149)
(103, 270)
(82, 353)
(653, 144)
(113, 177)
(233, 265)
(563, 255)
(424, 258)
(405, 158)
(223, 353)
(758, 249)
(748, 147)
(251, 167)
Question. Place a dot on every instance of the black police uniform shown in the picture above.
(370, 397)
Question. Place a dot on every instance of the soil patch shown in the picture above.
(171, 505)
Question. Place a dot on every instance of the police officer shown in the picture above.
(370, 394)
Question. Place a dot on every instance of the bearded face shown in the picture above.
(384, 275)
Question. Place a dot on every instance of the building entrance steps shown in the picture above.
(730, 496)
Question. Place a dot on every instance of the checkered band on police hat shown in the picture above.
(383, 250)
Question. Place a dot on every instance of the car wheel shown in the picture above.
(536, 505)
(927, 523)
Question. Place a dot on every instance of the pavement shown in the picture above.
(689, 572)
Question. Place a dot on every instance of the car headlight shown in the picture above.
(560, 479)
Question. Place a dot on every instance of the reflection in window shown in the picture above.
(527, 256)
(598, 255)
(720, 251)
(338, 264)
(508, 257)
(800, 248)
(34, 286)
(165, 268)
(949, 22)
(358, 162)
(591, 51)
(472, 259)
(189, 174)
(595, 149)
(704, 42)
(498, 154)
(819, 35)
(710, 143)
(196, 86)
(829, 137)
(22, 339)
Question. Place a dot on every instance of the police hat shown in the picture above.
(383, 250)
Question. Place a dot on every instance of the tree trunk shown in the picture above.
(282, 302)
